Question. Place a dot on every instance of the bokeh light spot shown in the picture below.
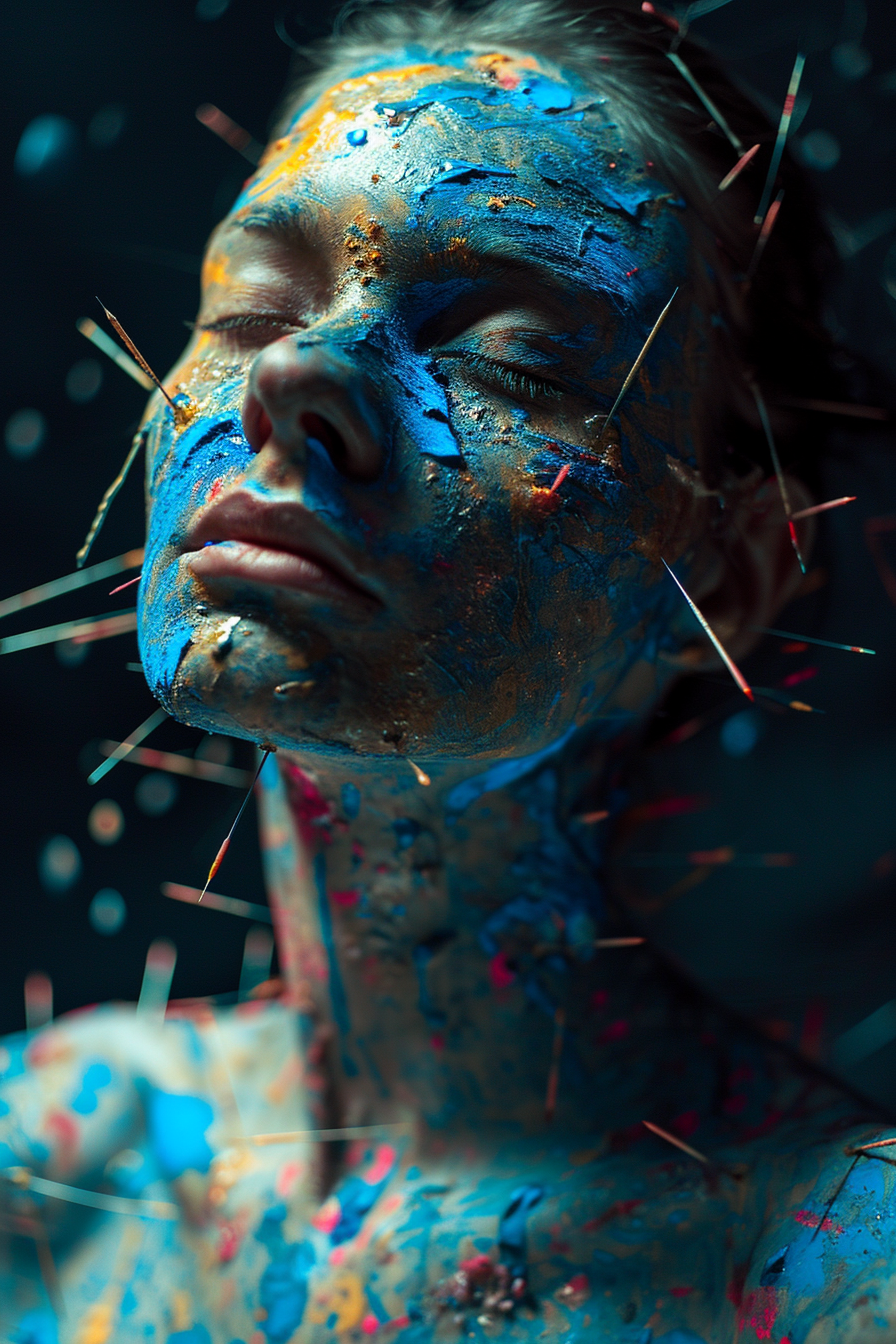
(47, 149)
(820, 150)
(84, 380)
(106, 125)
(59, 864)
(156, 794)
(105, 822)
(25, 432)
(740, 733)
(107, 911)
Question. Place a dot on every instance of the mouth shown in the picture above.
(247, 539)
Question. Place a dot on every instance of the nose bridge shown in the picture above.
(312, 385)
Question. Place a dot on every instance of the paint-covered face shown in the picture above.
(415, 317)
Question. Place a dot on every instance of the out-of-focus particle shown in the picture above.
(820, 150)
(105, 126)
(107, 911)
(740, 733)
(156, 794)
(218, 750)
(851, 60)
(47, 152)
(25, 432)
(59, 864)
(83, 380)
(70, 654)
(105, 822)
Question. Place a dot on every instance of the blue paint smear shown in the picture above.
(357, 136)
(549, 95)
(36, 1327)
(351, 800)
(338, 1000)
(177, 1123)
(95, 1076)
(356, 1198)
(512, 1227)
(505, 772)
(283, 1290)
(625, 194)
(197, 1334)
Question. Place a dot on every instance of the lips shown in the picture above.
(279, 544)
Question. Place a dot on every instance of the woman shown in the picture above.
(396, 533)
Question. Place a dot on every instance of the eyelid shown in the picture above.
(527, 383)
(244, 321)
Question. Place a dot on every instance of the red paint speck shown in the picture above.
(804, 674)
(807, 1219)
(499, 973)
(310, 808)
(599, 999)
(437, 1041)
(345, 898)
(616, 1031)
(216, 488)
(681, 1292)
(370, 1324)
(633, 271)
(686, 1124)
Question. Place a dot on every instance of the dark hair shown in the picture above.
(769, 326)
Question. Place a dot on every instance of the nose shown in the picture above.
(299, 390)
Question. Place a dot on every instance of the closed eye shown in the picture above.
(249, 321)
(514, 381)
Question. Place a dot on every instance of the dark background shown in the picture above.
(125, 216)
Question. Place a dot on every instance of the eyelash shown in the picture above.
(243, 320)
(514, 381)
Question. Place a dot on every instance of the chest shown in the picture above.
(589, 1250)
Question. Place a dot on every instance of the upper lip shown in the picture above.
(282, 525)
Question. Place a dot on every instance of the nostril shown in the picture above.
(316, 427)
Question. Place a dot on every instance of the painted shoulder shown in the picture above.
(825, 1268)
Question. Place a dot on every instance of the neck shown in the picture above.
(445, 935)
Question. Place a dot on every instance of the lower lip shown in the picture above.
(260, 565)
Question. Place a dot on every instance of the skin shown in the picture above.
(392, 362)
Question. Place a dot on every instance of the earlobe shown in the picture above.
(747, 566)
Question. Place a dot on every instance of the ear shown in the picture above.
(746, 568)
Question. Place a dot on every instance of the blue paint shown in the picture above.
(356, 136)
(356, 1198)
(36, 1327)
(504, 773)
(176, 1123)
(338, 1001)
(678, 1337)
(197, 1334)
(548, 95)
(283, 1290)
(350, 795)
(512, 1227)
(406, 831)
(96, 1076)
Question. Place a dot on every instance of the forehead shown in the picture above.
(490, 143)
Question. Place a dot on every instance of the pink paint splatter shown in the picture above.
(313, 813)
(346, 898)
(381, 1165)
(804, 674)
(686, 1124)
(370, 1324)
(681, 1292)
(807, 1219)
(758, 1312)
(599, 999)
(616, 1031)
(499, 973)
(437, 1041)
(288, 1177)
(229, 1240)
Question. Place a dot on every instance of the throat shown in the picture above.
(442, 938)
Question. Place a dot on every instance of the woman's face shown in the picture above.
(419, 310)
